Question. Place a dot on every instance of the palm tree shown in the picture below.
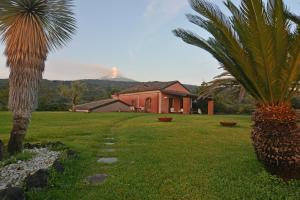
(221, 83)
(30, 29)
(259, 45)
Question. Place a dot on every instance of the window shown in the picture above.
(148, 105)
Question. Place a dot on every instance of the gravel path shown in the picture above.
(15, 174)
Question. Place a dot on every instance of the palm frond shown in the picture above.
(30, 29)
(256, 44)
(53, 18)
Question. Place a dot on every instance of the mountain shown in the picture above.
(117, 78)
(115, 75)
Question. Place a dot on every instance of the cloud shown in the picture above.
(159, 12)
(72, 70)
(68, 70)
(115, 72)
(164, 9)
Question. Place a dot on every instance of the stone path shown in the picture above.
(109, 150)
(97, 179)
(108, 160)
(109, 138)
(100, 178)
(109, 143)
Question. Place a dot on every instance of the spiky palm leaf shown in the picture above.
(30, 29)
(256, 45)
(259, 46)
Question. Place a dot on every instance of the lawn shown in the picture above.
(191, 158)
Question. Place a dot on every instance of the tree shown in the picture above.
(111, 91)
(73, 92)
(259, 45)
(229, 96)
(220, 83)
(30, 29)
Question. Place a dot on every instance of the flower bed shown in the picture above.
(228, 124)
(165, 119)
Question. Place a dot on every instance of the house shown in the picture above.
(106, 105)
(158, 97)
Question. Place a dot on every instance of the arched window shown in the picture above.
(148, 105)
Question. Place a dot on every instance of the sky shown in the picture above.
(132, 38)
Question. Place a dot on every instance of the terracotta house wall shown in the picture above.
(176, 104)
(139, 99)
(164, 103)
(159, 100)
(177, 87)
(187, 105)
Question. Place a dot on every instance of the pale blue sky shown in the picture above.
(135, 37)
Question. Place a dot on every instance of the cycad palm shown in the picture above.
(259, 45)
(30, 29)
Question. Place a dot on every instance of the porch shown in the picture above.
(176, 102)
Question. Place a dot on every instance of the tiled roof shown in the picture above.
(95, 104)
(178, 93)
(148, 86)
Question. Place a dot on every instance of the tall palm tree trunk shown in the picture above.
(30, 29)
(23, 91)
(276, 139)
(17, 135)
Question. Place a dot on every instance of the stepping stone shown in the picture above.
(109, 150)
(108, 160)
(109, 138)
(109, 143)
(97, 179)
(104, 167)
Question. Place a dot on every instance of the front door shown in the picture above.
(171, 102)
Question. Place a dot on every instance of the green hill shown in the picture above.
(51, 100)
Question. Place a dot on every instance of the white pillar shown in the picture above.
(159, 102)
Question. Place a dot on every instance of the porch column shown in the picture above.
(186, 105)
(159, 102)
(210, 106)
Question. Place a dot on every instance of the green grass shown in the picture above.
(189, 159)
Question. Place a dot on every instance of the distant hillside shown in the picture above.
(118, 79)
(49, 98)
